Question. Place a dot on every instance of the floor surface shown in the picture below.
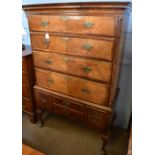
(59, 136)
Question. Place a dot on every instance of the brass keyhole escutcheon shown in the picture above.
(87, 47)
(50, 81)
(66, 38)
(65, 18)
(88, 24)
(44, 23)
(85, 90)
(86, 69)
(46, 42)
(48, 61)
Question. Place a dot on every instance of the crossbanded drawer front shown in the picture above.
(76, 87)
(88, 68)
(92, 48)
(100, 25)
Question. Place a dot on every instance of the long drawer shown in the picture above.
(92, 69)
(92, 48)
(100, 25)
(76, 87)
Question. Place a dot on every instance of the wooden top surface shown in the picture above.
(122, 5)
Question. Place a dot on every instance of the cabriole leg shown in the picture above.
(33, 119)
(105, 141)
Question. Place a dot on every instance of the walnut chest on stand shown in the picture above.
(77, 54)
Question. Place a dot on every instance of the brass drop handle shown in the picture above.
(44, 23)
(94, 118)
(48, 61)
(88, 24)
(46, 40)
(85, 90)
(65, 18)
(66, 78)
(87, 47)
(86, 69)
(66, 59)
(66, 38)
(91, 117)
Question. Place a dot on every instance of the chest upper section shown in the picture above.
(99, 25)
(99, 19)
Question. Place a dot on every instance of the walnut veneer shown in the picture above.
(28, 81)
(77, 54)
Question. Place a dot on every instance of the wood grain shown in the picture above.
(28, 81)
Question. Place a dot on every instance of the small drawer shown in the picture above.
(24, 78)
(97, 119)
(43, 100)
(25, 91)
(67, 104)
(26, 105)
(67, 112)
